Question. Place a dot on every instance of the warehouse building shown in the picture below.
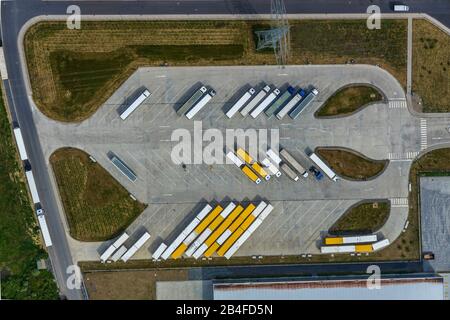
(410, 287)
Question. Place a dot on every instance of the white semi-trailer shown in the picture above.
(256, 223)
(235, 159)
(200, 104)
(294, 163)
(240, 103)
(136, 103)
(32, 187)
(252, 104)
(291, 104)
(159, 251)
(265, 103)
(44, 230)
(274, 157)
(303, 104)
(135, 247)
(20, 144)
(191, 101)
(326, 169)
(271, 167)
(113, 247)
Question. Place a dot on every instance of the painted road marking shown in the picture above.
(398, 104)
(423, 134)
(399, 202)
(402, 155)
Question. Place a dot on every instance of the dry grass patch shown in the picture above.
(97, 207)
(351, 164)
(135, 285)
(364, 218)
(349, 100)
(73, 72)
(431, 66)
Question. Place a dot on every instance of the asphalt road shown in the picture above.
(15, 13)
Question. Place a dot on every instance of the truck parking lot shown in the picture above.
(302, 209)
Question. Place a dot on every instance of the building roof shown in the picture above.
(420, 288)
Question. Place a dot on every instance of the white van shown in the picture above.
(401, 8)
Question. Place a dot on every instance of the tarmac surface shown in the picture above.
(303, 210)
(435, 221)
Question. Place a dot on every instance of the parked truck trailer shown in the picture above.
(291, 104)
(271, 167)
(200, 104)
(252, 104)
(294, 163)
(20, 144)
(240, 103)
(279, 102)
(265, 103)
(250, 174)
(32, 187)
(135, 104)
(303, 104)
(44, 230)
(289, 172)
(191, 101)
(326, 169)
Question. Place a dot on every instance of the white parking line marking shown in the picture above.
(423, 134)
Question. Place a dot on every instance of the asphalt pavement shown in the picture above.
(15, 14)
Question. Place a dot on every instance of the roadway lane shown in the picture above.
(16, 13)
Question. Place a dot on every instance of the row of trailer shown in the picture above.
(217, 229)
(354, 244)
(196, 102)
(118, 250)
(32, 187)
(272, 162)
(271, 101)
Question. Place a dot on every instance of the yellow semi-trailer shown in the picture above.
(241, 229)
(201, 246)
(217, 232)
(259, 170)
(197, 231)
(236, 223)
(235, 247)
(363, 248)
(348, 240)
(250, 174)
(244, 155)
(211, 249)
(186, 232)
(210, 228)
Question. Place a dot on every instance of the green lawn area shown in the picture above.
(350, 164)
(349, 100)
(431, 66)
(97, 207)
(73, 72)
(364, 218)
(20, 245)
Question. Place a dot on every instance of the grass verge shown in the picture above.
(351, 165)
(431, 66)
(97, 207)
(73, 72)
(364, 218)
(20, 245)
(135, 285)
(349, 100)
